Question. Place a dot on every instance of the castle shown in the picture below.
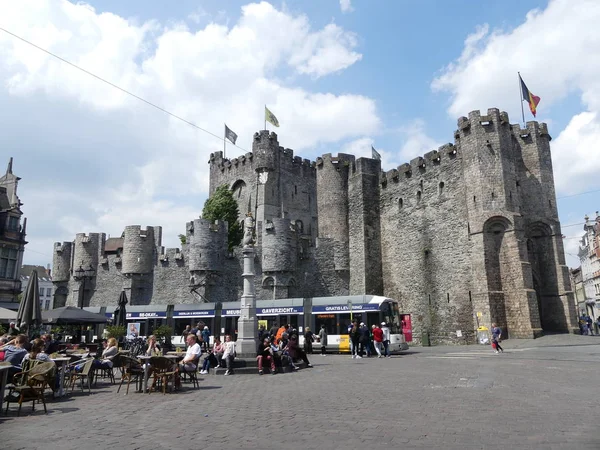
(465, 235)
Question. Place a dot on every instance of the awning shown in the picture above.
(139, 312)
(194, 311)
(291, 306)
(93, 309)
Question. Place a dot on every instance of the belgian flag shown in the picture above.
(528, 97)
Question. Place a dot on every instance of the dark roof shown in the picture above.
(113, 244)
(27, 269)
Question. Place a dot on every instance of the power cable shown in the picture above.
(120, 88)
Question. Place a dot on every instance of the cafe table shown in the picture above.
(61, 365)
(3, 381)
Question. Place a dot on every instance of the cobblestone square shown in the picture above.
(539, 394)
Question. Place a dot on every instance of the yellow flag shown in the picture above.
(270, 117)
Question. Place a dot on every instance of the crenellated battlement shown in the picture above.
(342, 159)
(431, 161)
(61, 261)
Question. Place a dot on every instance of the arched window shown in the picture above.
(239, 189)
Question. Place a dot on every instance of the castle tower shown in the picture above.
(266, 150)
(332, 204)
(545, 252)
(61, 272)
(207, 249)
(364, 226)
(279, 254)
(501, 273)
(138, 250)
(86, 254)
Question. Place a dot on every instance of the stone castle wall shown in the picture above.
(464, 235)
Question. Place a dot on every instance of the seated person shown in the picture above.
(37, 352)
(14, 352)
(153, 347)
(3, 342)
(110, 351)
(284, 351)
(229, 354)
(213, 358)
(218, 350)
(188, 364)
(263, 354)
(296, 352)
(50, 345)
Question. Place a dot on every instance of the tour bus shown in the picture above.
(336, 313)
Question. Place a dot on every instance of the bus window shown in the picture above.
(330, 323)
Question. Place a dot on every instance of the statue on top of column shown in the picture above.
(248, 240)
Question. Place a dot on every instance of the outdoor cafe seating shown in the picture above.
(31, 383)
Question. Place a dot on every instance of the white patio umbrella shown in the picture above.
(7, 314)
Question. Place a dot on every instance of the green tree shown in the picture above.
(222, 206)
(182, 238)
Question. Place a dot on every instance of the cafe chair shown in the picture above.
(30, 385)
(163, 370)
(132, 371)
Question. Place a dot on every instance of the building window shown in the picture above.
(8, 262)
(13, 223)
(47, 304)
(41, 292)
(48, 292)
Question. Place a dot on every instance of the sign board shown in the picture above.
(147, 315)
(458, 333)
(194, 313)
(479, 314)
(344, 343)
(344, 308)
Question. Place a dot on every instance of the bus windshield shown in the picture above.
(391, 316)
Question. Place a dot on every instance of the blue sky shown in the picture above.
(394, 74)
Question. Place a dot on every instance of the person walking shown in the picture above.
(309, 338)
(323, 340)
(386, 339)
(365, 340)
(496, 337)
(355, 340)
(590, 325)
(377, 339)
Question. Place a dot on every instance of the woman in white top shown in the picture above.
(229, 354)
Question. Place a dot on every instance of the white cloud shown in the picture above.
(557, 51)
(116, 160)
(414, 142)
(346, 6)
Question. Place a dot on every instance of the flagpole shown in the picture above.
(224, 140)
(265, 117)
(521, 91)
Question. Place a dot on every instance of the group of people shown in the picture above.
(15, 349)
(280, 348)
(364, 340)
(586, 325)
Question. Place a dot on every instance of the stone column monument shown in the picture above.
(247, 324)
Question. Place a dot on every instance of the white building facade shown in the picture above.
(589, 256)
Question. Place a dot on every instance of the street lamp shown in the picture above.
(83, 275)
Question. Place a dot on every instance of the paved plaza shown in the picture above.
(539, 394)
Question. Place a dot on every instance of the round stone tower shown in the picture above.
(61, 261)
(332, 204)
(279, 246)
(87, 249)
(138, 250)
(207, 244)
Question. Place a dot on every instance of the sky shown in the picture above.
(340, 75)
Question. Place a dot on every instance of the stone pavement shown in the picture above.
(539, 394)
